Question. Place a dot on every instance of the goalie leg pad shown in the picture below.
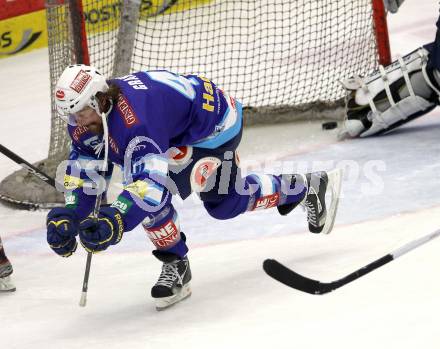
(391, 96)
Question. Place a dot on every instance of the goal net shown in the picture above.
(282, 59)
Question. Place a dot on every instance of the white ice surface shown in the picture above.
(234, 304)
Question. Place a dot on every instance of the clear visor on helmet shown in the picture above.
(66, 117)
(69, 117)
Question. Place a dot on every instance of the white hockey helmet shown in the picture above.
(76, 88)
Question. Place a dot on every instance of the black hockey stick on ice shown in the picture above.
(302, 283)
(83, 299)
(27, 166)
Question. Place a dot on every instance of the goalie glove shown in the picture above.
(97, 234)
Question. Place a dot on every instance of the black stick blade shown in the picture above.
(292, 279)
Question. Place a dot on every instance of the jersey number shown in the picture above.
(177, 82)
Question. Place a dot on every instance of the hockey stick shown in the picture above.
(302, 283)
(27, 166)
(49, 180)
(83, 299)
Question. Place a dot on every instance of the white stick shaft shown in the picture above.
(414, 244)
(83, 300)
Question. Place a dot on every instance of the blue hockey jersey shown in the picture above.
(156, 110)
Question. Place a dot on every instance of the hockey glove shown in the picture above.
(62, 228)
(96, 234)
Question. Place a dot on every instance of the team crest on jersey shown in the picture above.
(126, 111)
(80, 82)
(202, 170)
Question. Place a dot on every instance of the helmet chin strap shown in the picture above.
(105, 135)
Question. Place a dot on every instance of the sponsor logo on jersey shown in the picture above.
(202, 170)
(78, 132)
(122, 204)
(208, 95)
(267, 201)
(113, 144)
(80, 82)
(180, 155)
(164, 236)
(71, 182)
(71, 200)
(126, 111)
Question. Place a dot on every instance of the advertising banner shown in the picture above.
(23, 33)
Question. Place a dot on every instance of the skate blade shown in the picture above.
(166, 302)
(334, 184)
(6, 285)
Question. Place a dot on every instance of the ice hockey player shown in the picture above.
(395, 94)
(6, 270)
(171, 134)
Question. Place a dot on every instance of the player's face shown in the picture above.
(90, 118)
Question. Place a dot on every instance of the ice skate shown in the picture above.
(320, 218)
(173, 283)
(6, 284)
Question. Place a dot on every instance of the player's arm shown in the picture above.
(80, 185)
(144, 195)
(83, 180)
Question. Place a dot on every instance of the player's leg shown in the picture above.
(393, 95)
(6, 284)
(216, 177)
(173, 284)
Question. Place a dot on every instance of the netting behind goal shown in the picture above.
(282, 59)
